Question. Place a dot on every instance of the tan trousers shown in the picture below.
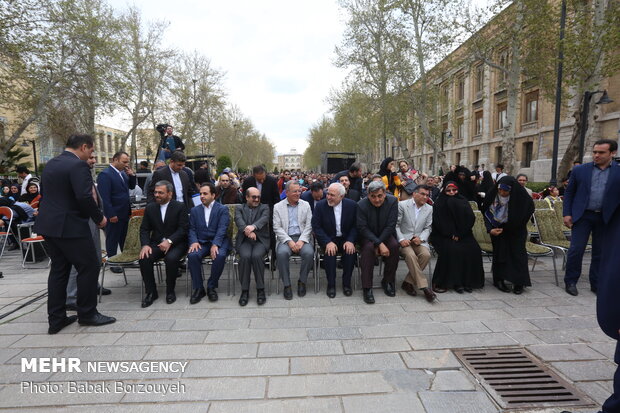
(417, 258)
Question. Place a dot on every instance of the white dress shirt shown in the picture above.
(25, 184)
(208, 210)
(338, 217)
(163, 208)
(178, 186)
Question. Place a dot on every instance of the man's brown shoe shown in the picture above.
(430, 295)
(409, 289)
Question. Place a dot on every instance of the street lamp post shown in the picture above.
(585, 111)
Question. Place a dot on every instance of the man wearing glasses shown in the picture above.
(252, 244)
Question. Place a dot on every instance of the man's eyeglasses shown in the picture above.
(255, 196)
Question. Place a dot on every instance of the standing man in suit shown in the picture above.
(208, 224)
(354, 173)
(182, 188)
(114, 184)
(292, 224)
(586, 210)
(334, 222)
(377, 215)
(163, 234)
(415, 218)
(315, 194)
(68, 202)
(351, 193)
(252, 220)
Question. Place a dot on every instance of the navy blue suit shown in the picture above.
(114, 190)
(206, 236)
(307, 196)
(576, 198)
(324, 227)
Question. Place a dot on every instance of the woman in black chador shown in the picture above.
(507, 208)
(459, 264)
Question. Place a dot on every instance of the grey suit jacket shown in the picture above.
(261, 222)
(280, 221)
(408, 226)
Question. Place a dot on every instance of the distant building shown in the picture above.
(292, 161)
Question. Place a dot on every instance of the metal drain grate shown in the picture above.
(516, 379)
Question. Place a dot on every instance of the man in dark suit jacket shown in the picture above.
(208, 224)
(315, 194)
(68, 202)
(114, 184)
(182, 188)
(351, 193)
(334, 224)
(592, 189)
(376, 222)
(267, 185)
(252, 244)
(355, 176)
(163, 234)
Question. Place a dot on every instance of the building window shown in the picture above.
(531, 107)
(457, 159)
(528, 152)
(502, 76)
(445, 95)
(498, 155)
(460, 129)
(460, 88)
(431, 163)
(476, 156)
(502, 116)
(479, 83)
(478, 123)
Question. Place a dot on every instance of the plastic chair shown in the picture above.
(482, 236)
(4, 235)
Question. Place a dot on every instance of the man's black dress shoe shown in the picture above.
(171, 298)
(288, 293)
(368, 297)
(96, 320)
(243, 300)
(197, 295)
(388, 288)
(331, 292)
(572, 289)
(104, 291)
(517, 289)
(347, 290)
(148, 299)
(261, 298)
(301, 289)
(55, 329)
(409, 289)
(212, 294)
(501, 285)
(116, 270)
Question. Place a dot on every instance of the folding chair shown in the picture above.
(4, 235)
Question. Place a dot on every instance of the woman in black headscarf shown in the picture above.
(390, 179)
(461, 176)
(32, 196)
(459, 264)
(507, 208)
(484, 187)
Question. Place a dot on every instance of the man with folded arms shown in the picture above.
(334, 225)
(377, 215)
(415, 218)
(163, 234)
(208, 224)
(252, 220)
(292, 224)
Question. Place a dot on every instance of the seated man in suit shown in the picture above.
(415, 218)
(314, 195)
(293, 228)
(208, 224)
(334, 225)
(350, 193)
(163, 234)
(377, 215)
(252, 220)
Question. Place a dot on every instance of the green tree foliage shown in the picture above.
(223, 162)
(13, 159)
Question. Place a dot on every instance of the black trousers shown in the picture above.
(67, 252)
(171, 260)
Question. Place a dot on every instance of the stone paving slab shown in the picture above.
(310, 354)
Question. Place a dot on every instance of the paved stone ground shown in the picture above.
(311, 354)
